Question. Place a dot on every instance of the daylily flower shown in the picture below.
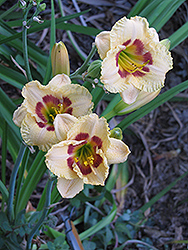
(42, 104)
(133, 58)
(85, 155)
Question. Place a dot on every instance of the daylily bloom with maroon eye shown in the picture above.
(42, 104)
(133, 58)
(85, 155)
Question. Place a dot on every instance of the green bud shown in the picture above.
(42, 7)
(94, 69)
(116, 133)
(166, 43)
(60, 59)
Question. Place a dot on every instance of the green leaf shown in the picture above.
(4, 225)
(89, 245)
(6, 110)
(12, 77)
(59, 21)
(12, 243)
(35, 173)
(104, 222)
(13, 141)
(2, 1)
(52, 233)
(4, 191)
(138, 7)
(178, 36)
(165, 13)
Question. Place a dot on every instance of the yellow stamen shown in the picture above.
(129, 64)
(52, 117)
(60, 105)
(76, 160)
(56, 111)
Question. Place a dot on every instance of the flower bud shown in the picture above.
(42, 7)
(36, 19)
(116, 133)
(142, 99)
(22, 4)
(60, 59)
(166, 43)
(94, 69)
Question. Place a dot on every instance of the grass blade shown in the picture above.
(179, 36)
(4, 191)
(35, 173)
(7, 108)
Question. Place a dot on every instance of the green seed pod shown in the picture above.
(116, 133)
(94, 69)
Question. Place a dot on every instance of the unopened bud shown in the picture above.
(22, 4)
(142, 99)
(60, 59)
(166, 43)
(36, 19)
(42, 7)
(116, 133)
(94, 69)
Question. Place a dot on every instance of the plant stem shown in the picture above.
(3, 161)
(85, 64)
(44, 212)
(24, 40)
(10, 211)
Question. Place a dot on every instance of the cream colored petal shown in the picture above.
(109, 75)
(98, 175)
(56, 160)
(80, 97)
(130, 94)
(92, 125)
(117, 152)
(162, 63)
(32, 134)
(62, 124)
(19, 115)
(58, 82)
(102, 42)
(131, 29)
(69, 188)
(153, 35)
(33, 93)
(142, 99)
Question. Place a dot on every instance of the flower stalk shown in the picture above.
(10, 211)
(84, 66)
(24, 40)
